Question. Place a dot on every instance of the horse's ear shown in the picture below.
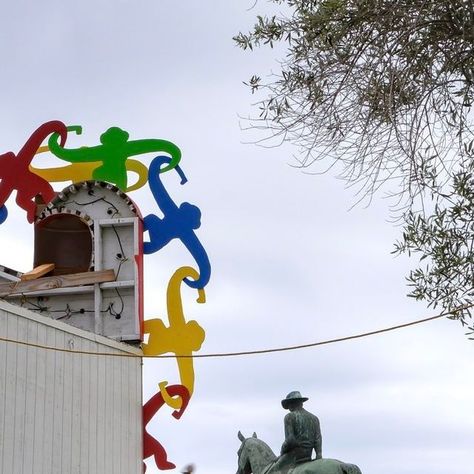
(241, 436)
(254, 435)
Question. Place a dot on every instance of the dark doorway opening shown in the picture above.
(65, 240)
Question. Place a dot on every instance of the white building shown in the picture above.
(63, 412)
(67, 413)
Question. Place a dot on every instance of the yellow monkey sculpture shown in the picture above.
(181, 337)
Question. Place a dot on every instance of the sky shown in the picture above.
(291, 264)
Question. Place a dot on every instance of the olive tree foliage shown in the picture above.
(384, 89)
(383, 86)
(444, 240)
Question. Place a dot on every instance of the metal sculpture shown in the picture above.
(109, 162)
(178, 222)
(113, 152)
(257, 457)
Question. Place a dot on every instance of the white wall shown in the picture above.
(66, 413)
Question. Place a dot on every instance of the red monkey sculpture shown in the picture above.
(14, 172)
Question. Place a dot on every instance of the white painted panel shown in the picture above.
(39, 409)
(63, 413)
(30, 399)
(3, 377)
(9, 399)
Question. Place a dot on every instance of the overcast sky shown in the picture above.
(291, 264)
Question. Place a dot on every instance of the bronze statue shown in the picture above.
(256, 457)
(302, 435)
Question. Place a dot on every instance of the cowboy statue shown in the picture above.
(302, 434)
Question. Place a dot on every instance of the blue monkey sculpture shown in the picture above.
(178, 222)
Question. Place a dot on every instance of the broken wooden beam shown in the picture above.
(38, 272)
(60, 281)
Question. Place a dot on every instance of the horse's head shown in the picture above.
(243, 462)
(253, 454)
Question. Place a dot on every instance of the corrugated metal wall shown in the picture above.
(66, 413)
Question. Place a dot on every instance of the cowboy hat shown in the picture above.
(292, 396)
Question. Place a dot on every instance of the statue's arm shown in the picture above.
(318, 442)
(289, 434)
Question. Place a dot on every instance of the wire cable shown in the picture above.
(448, 314)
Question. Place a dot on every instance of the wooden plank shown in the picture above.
(38, 272)
(8, 445)
(51, 358)
(28, 446)
(117, 284)
(66, 426)
(59, 281)
(73, 290)
(94, 415)
(98, 320)
(9, 271)
(76, 462)
(19, 408)
(59, 403)
(3, 382)
(115, 222)
(40, 396)
(7, 276)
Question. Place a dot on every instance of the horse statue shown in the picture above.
(256, 457)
